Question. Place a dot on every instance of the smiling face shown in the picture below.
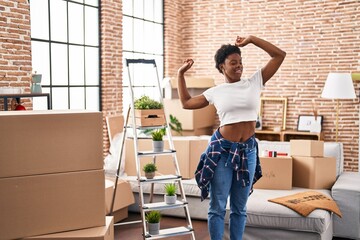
(232, 68)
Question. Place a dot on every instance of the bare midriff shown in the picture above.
(238, 132)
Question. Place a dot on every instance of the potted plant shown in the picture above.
(150, 169)
(157, 137)
(170, 193)
(148, 112)
(153, 220)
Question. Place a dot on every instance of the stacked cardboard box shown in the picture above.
(51, 172)
(188, 152)
(277, 173)
(194, 122)
(310, 168)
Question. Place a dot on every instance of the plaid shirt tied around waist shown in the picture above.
(237, 159)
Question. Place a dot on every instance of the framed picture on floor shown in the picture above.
(306, 123)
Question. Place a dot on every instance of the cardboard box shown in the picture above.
(149, 117)
(195, 86)
(314, 172)
(188, 152)
(50, 203)
(97, 233)
(195, 132)
(190, 119)
(44, 142)
(123, 198)
(277, 173)
(307, 148)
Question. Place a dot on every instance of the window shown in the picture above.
(143, 28)
(65, 50)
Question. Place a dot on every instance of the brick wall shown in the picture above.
(15, 45)
(318, 36)
(111, 61)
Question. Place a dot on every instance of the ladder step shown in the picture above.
(163, 178)
(151, 153)
(171, 232)
(163, 205)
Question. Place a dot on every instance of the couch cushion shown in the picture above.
(262, 213)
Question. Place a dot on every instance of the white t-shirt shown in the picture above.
(238, 101)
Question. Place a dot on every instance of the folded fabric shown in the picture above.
(306, 202)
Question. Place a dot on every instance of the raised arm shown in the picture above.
(277, 55)
(187, 101)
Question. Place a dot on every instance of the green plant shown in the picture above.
(175, 124)
(153, 216)
(145, 102)
(170, 189)
(149, 167)
(158, 134)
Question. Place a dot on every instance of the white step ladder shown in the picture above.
(141, 181)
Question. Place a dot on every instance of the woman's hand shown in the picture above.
(186, 66)
(241, 41)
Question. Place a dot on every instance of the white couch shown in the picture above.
(266, 220)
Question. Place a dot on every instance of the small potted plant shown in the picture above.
(148, 112)
(153, 220)
(170, 193)
(150, 169)
(157, 137)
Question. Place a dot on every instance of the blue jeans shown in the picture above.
(225, 184)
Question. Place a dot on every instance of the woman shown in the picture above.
(230, 165)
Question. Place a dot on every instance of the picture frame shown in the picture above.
(305, 122)
(281, 105)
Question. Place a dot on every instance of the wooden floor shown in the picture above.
(134, 231)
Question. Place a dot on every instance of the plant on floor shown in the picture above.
(175, 124)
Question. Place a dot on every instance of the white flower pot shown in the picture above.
(170, 199)
(154, 228)
(158, 146)
(150, 175)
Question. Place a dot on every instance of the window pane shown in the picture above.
(39, 19)
(92, 98)
(138, 35)
(149, 10)
(76, 65)
(158, 11)
(58, 20)
(150, 37)
(60, 98)
(92, 66)
(125, 77)
(91, 26)
(127, 7)
(139, 8)
(59, 63)
(92, 2)
(41, 60)
(77, 98)
(158, 47)
(79, 1)
(127, 33)
(76, 23)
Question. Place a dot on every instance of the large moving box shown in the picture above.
(97, 233)
(191, 119)
(43, 142)
(188, 152)
(50, 203)
(123, 198)
(194, 85)
(277, 173)
(314, 172)
(307, 148)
